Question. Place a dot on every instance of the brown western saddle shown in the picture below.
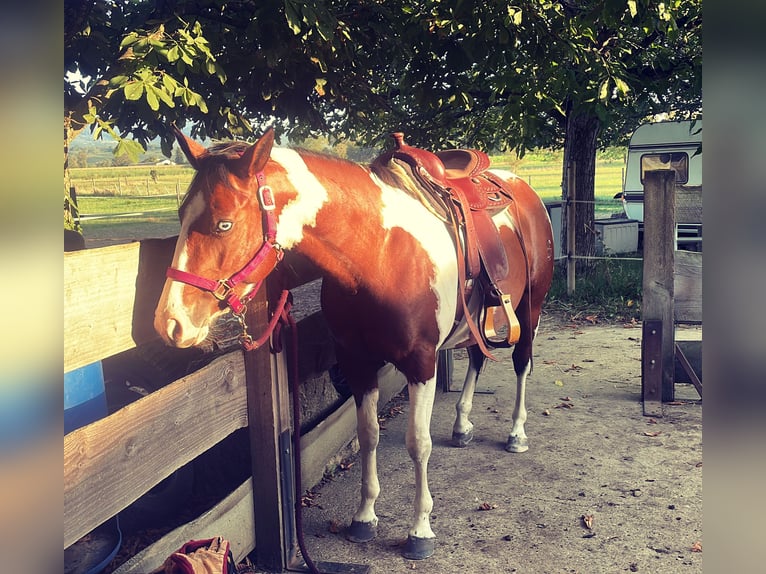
(462, 192)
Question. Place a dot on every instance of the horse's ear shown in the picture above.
(255, 157)
(192, 149)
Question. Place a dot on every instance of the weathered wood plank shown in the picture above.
(99, 291)
(687, 303)
(659, 231)
(269, 415)
(109, 298)
(110, 463)
(232, 518)
(651, 367)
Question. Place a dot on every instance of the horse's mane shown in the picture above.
(398, 174)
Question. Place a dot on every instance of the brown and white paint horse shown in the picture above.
(389, 289)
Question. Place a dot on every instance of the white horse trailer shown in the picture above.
(675, 145)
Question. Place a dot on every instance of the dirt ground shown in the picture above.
(637, 480)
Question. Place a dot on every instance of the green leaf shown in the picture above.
(133, 90)
(169, 83)
(632, 8)
(152, 99)
(165, 96)
(603, 91)
(173, 54)
(622, 87)
(131, 148)
(293, 17)
(128, 40)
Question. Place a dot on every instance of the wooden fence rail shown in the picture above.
(109, 299)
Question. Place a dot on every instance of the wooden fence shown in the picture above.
(109, 299)
(672, 288)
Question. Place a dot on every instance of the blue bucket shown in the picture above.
(84, 403)
(84, 396)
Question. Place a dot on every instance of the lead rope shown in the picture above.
(295, 384)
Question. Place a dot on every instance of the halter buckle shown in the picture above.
(222, 290)
(266, 197)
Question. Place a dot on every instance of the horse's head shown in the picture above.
(227, 243)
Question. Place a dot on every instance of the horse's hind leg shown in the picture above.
(522, 365)
(462, 430)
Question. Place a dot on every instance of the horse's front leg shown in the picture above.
(364, 525)
(421, 540)
(462, 430)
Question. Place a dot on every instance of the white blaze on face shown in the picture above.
(170, 306)
(404, 211)
(302, 211)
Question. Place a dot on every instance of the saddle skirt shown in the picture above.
(456, 186)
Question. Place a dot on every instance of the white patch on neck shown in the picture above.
(301, 211)
(404, 211)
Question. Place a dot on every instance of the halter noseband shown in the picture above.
(264, 261)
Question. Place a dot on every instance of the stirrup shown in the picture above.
(514, 327)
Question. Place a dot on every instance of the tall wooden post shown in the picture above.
(571, 226)
(268, 405)
(658, 289)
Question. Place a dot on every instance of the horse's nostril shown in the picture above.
(175, 331)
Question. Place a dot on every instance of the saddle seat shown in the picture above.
(460, 185)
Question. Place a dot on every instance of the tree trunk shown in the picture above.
(582, 131)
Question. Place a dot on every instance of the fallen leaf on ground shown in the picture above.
(564, 406)
(546, 413)
(345, 465)
(696, 547)
(587, 521)
(651, 422)
(592, 318)
(308, 499)
(335, 527)
(558, 383)
(652, 433)
(565, 399)
(487, 506)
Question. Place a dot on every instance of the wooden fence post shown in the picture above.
(268, 405)
(658, 289)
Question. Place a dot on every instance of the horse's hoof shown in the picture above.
(462, 439)
(517, 444)
(361, 531)
(419, 548)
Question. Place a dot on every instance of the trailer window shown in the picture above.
(677, 161)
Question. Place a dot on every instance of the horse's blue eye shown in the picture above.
(224, 225)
